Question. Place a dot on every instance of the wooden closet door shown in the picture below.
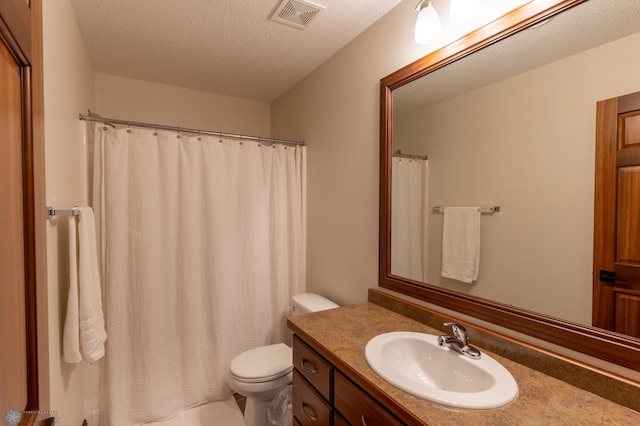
(616, 289)
(22, 238)
(13, 345)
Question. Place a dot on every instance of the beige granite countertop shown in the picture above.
(542, 400)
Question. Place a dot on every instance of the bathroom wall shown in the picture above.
(147, 102)
(68, 89)
(336, 111)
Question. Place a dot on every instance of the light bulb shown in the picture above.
(428, 27)
(463, 10)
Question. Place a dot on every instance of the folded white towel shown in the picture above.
(461, 243)
(84, 332)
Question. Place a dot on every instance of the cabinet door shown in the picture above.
(338, 420)
(357, 407)
(309, 407)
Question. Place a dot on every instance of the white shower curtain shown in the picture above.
(203, 244)
(408, 220)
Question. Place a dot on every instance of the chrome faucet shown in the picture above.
(458, 342)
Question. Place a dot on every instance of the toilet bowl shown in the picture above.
(260, 373)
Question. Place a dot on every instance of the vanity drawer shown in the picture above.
(357, 407)
(313, 367)
(309, 408)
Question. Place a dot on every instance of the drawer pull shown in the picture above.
(308, 366)
(364, 421)
(311, 417)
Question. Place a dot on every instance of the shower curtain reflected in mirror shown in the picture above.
(409, 201)
(202, 247)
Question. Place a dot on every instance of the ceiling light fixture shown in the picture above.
(428, 28)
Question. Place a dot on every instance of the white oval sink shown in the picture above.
(416, 364)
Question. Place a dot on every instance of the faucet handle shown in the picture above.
(458, 330)
(459, 333)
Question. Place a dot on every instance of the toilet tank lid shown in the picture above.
(263, 361)
(311, 302)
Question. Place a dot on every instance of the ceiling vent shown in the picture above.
(297, 13)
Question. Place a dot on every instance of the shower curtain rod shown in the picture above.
(399, 153)
(92, 116)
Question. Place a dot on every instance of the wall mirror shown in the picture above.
(506, 116)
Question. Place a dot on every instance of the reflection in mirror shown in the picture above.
(521, 138)
(514, 125)
(408, 223)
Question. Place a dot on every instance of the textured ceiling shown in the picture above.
(229, 47)
(583, 27)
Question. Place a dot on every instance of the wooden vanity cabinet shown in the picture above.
(309, 408)
(356, 406)
(312, 386)
(323, 395)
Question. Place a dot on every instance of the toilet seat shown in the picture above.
(262, 364)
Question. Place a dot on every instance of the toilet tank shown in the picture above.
(309, 302)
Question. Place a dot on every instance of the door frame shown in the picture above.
(21, 31)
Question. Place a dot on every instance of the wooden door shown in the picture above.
(22, 241)
(616, 273)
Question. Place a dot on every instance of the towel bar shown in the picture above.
(51, 212)
(484, 210)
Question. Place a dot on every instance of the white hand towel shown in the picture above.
(461, 243)
(84, 333)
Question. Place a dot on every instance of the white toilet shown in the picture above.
(261, 372)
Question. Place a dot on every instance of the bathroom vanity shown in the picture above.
(322, 393)
(334, 385)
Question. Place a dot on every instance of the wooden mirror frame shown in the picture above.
(608, 346)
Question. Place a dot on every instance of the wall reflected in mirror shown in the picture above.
(514, 125)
